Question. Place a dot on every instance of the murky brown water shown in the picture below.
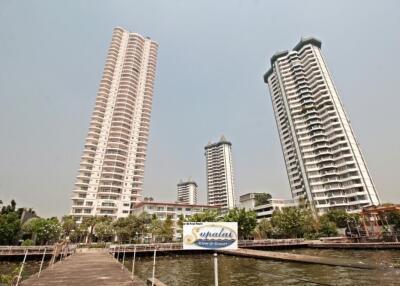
(198, 269)
(31, 266)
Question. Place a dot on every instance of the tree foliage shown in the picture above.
(340, 217)
(262, 199)
(10, 227)
(43, 231)
(208, 215)
(247, 221)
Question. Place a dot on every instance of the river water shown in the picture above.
(198, 269)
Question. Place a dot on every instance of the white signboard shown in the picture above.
(210, 235)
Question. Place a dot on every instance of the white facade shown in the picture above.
(110, 176)
(323, 159)
(249, 203)
(220, 179)
(187, 192)
(266, 211)
(164, 210)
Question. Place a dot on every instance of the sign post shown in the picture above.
(215, 269)
(210, 236)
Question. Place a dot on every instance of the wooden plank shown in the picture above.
(88, 269)
(360, 245)
(290, 257)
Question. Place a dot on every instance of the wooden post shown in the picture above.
(133, 262)
(118, 252)
(41, 264)
(215, 269)
(123, 260)
(154, 266)
(22, 268)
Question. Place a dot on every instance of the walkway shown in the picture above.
(88, 269)
(360, 245)
(290, 257)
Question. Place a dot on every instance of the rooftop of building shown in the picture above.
(303, 41)
(187, 182)
(176, 204)
(220, 142)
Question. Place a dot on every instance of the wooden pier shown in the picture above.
(290, 257)
(88, 269)
(359, 245)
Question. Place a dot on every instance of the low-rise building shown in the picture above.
(264, 210)
(173, 210)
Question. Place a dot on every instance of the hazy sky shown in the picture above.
(211, 60)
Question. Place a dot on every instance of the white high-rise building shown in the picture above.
(323, 159)
(220, 179)
(111, 170)
(187, 192)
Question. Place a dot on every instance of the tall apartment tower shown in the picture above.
(187, 192)
(323, 159)
(110, 176)
(220, 180)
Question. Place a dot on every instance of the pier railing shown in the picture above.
(176, 246)
(34, 250)
(271, 242)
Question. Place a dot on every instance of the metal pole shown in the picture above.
(154, 266)
(123, 260)
(41, 264)
(133, 262)
(215, 269)
(22, 268)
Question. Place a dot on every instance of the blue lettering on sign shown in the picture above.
(214, 243)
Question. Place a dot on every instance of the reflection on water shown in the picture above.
(198, 269)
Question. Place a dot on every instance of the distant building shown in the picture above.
(187, 192)
(220, 178)
(323, 159)
(249, 202)
(162, 210)
(110, 175)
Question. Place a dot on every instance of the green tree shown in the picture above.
(167, 230)
(393, 218)
(43, 231)
(123, 227)
(264, 229)
(68, 225)
(290, 222)
(326, 227)
(207, 216)
(10, 227)
(131, 227)
(262, 199)
(155, 228)
(104, 231)
(339, 217)
(9, 208)
(247, 221)
(89, 223)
